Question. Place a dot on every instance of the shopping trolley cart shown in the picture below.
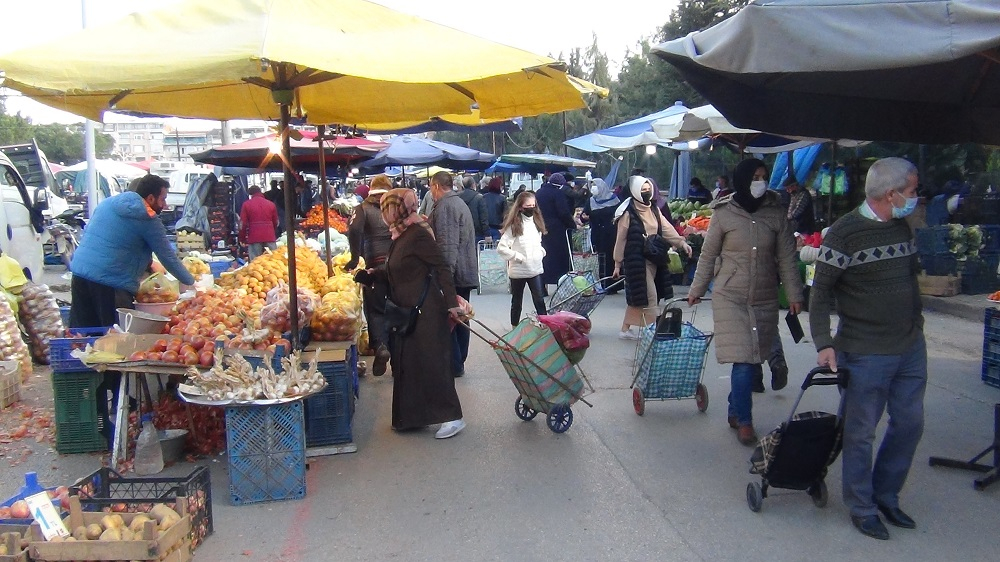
(492, 267)
(579, 292)
(545, 379)
(670, 361)
(582, 256)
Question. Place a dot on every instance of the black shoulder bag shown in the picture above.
(655, 247)
(402, 320)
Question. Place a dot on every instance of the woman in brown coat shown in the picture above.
(423, 387)
(749, 244)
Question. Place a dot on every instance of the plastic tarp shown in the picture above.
(195, 215)
(923, 71)
(538, 164)
(405, 150)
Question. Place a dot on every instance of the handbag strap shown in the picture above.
(423, 295)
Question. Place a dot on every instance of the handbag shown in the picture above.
(655, 247)
(402, 320)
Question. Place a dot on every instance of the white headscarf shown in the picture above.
(603, 197)
(635, 184)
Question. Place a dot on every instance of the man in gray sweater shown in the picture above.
(451, 222)
(868, 262)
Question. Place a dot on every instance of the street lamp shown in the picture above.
(650, 149)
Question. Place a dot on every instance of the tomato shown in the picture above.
(189, 357)
(176, 330)
(137, 356)
(160, 345)
(206, 359)
(170, 356)
(197, 342)
(185, 349)
(174, 345)
(154, 356)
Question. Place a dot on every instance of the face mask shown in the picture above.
(718, 185)
(594, 191)
(528, 212)
(907, 208)
(758, 188)
(647, 196)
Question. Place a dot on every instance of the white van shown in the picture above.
(181, 181)
(21, 221)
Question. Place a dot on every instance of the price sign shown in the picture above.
(46, 516)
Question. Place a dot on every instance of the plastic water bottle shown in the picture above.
(148, 454)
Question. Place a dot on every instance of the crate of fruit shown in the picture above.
(60, 349)
(108, 491)
(14, 543)
(161, 534)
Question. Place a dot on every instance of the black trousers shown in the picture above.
(96, 305)
(517, 295)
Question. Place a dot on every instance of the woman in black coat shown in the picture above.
(554, 206)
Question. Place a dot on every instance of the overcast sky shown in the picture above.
(544, 27)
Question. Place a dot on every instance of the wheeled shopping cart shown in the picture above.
(582, 256)
(670, 361)
(545, 379)
(795, 456)
(492, 267)
(579, 292)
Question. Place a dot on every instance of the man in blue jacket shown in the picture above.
(116, 251)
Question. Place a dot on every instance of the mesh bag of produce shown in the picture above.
(40, 317)
(158, 288)
(12, 346)
(338, 317)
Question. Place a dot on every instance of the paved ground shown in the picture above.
(669, 485)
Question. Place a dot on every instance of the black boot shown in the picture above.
(381, 360)
(758, 379)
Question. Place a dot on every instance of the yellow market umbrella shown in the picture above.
(325, 61)
(332, 61)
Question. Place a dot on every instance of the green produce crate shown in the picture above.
(78, 427)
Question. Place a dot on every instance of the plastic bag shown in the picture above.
(12, 347)
(570, 330)
(338, 317)
(275, 313)
(338, 242)
(158, 288)
(39, 313)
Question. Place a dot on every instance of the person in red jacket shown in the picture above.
(258, 221)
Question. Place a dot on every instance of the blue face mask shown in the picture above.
(909, 205)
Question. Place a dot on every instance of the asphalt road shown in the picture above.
(669, 485)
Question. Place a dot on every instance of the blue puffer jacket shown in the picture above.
(118, 244)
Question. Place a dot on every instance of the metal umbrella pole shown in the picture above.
(293, 287)
(320, 130)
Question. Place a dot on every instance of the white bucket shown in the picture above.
(139, 322)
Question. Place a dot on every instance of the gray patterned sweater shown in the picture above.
(871, 268)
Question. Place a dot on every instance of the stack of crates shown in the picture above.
(991, 347)
(74, 390)
(329, 413)
(979, 274)
(267, 452)
(934, 247)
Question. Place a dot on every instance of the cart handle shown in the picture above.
(824, 376)
(621, 279)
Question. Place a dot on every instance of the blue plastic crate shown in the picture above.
(329, 413)
(217, 267)
(933, 240)
(939, 264)
(60, 349)
(979, 275)
(267, 453)
(991, 373)
(991, 323)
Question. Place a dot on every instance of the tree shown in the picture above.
(61, 144)
(695, 15)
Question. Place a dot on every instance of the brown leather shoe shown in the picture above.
(734, 422)
(746, 435)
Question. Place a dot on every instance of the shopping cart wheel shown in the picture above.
(638, 401)
(560, 418)
(523, 411)
(755, 498)
(819, 494)
(701, 397)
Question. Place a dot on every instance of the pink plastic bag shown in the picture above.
(570, 330)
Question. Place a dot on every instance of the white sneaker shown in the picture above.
(629, 334)
(450, 429)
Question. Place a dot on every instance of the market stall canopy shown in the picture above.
(537, 164)
(331, 61)
(264, 153)
(635, 132)
(925, 71)
(405, 150)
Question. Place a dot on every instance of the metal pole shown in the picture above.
(565, 149)
(89, 147)
(320, 130)
(293, 286)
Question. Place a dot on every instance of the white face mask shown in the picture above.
(594, 190)
(758, 188)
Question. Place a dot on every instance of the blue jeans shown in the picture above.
(878, 384)
(460, 338)
(740, 395)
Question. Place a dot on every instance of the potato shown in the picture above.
(3, 550)
(127, 535)
(111, 534)
(169, 522)
(57, 538)
(138, 522)
(114, 521)
(70, 539)
(94, 531)
(80, 533)
(161, 512)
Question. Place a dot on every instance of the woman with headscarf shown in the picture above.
(749, 244)
(423, 387)
(600, 209)
(645, 282)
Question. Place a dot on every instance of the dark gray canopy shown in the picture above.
(925, 71)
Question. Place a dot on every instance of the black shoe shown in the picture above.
(896, 517)
(871, 526)
(460, 373)
(381, 360)
(779, 373)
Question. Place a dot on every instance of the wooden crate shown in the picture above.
(940, 285)
(12, 540)
(173, 545)
(328, 350)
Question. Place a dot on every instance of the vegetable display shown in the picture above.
(40, 317)
(233, 378)
(12, 347)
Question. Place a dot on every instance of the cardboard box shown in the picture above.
(940, 285)
(328, 350)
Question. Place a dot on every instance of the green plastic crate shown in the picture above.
(78, 427)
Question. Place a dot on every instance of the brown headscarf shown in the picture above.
(399, 211)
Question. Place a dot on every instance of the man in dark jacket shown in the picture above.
(496, 206)
(554, 206)
(477, 207)
(453, 229)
